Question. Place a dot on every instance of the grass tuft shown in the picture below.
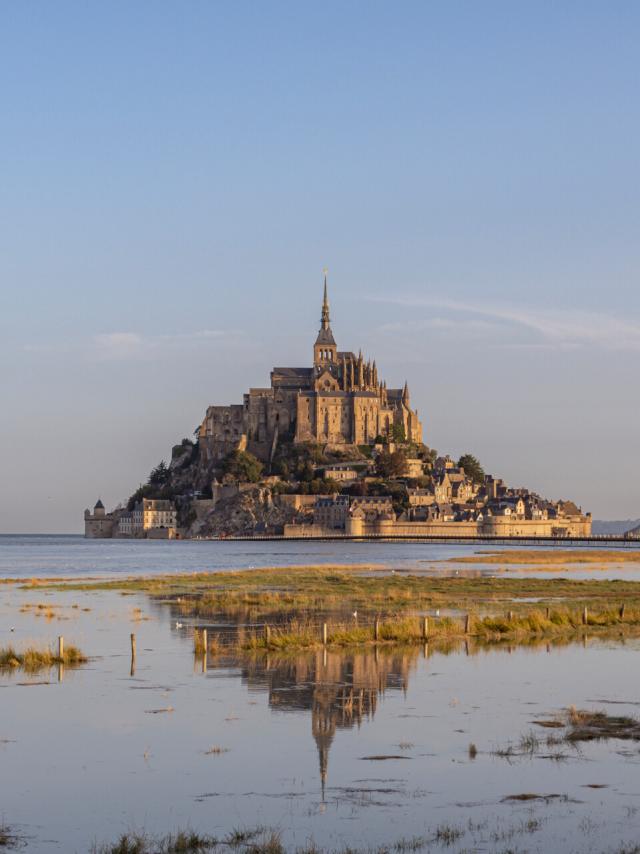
(33, 659)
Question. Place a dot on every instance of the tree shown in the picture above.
(398, 433)
(243, 466)
(391, 465)
(472, 468)
(159, 475)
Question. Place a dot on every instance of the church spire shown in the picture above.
(324, 320)
(405, 394)
(325, 349)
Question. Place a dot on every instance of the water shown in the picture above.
(93, 752)
(24, 556)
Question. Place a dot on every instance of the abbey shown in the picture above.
(339, 402)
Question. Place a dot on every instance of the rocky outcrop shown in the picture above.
(252, 511)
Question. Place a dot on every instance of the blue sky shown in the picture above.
(174, 177)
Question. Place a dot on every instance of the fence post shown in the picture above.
(324, 634)
(548, 613)
(585, 616)
(267, 635)
(204, 641)
(622, 611)
(510, 616)
(376, 630)
(467, 624)
(133, 655)
(425, 628)
(60, 647)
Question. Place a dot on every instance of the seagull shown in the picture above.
(12, 629)
(178, 625)
(355, 615)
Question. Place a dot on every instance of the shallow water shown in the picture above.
(97, 753)
(23, 556)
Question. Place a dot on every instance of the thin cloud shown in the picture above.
(559, 327)
(118, 346)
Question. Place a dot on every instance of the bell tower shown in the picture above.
(325, 352)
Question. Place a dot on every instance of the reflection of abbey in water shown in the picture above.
(341, 690)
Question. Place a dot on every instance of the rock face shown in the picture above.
(252, 511)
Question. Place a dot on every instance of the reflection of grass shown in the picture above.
(33, 659)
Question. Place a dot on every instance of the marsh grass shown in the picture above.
(584, 725)
(257, 840)
(8, 839)
(448, 834)
(213, 644)
(33, 659)
(552, 556)
(182, 842)
(306, 633)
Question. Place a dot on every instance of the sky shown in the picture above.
(175, 176)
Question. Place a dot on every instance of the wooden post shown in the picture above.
(376, 630)
(132, 671)
(467, 624)
(267, 634)
(204, 641)
(622, 611)
(510, 616)
(585, 616)
(425, 628)
(548, 613)
(324, 634)
(61, 648)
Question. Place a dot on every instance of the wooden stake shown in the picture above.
(585, 616)
(622, 611)
(376, 630)
(267, 634)
(204, 641)
(132, 671)
(510, 616)
(548, 613)
(61, 648)
(425, 628)
(325, 634)
(467, 624)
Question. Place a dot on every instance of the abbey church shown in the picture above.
(339, 402)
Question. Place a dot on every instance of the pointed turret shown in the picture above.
(325, 320)
(405, 394)
(325, 347)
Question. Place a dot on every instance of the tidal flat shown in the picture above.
(526, 742)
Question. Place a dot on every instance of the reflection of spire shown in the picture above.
(340, 690)
(323, 729)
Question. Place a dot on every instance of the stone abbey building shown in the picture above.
(340, 401)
